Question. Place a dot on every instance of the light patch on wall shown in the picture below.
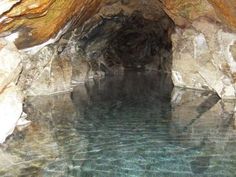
(177, 95)
(233, 50)
(200, 45)
(34, 5)
(226, 40)
(6, 5)
(12, 37)
(2, 19)
(177, 79)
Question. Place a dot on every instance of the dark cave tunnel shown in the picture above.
(127, 42)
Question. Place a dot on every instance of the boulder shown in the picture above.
(46, 73)
(11, 101)
(10, 63)
(203, 58)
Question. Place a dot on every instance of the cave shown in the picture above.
(140, 42)
(128, 42)
(116, 88)
(120, 42)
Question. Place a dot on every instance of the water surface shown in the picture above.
(133, 125)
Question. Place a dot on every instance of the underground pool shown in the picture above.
(131, 125)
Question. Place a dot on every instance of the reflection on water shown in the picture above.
(128, 126)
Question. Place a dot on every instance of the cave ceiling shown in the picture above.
(33, 22)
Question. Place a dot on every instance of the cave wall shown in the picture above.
(203, 45)
(184, 12)
(32, 22)
(39, 53)
(123, 36)
(203, 42)
(203, 58)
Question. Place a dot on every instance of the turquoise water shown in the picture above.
(135, 125)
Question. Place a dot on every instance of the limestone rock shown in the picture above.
(32, 22)
(46, 73)
(184, 12)
(81, 71)
(11, 101)
(6, 5)
(10, 63)
(226, 11)
(202, 59)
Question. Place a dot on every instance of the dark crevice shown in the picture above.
(139, 42)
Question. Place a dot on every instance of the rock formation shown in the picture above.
(46, 45)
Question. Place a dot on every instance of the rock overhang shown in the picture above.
(34, 22)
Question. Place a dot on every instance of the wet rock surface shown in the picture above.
(196, 64)
(11, 101)
(11, 97)
(46, 73)
(10, 64)
(120, 40)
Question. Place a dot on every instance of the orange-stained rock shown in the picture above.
(226, 11)
(184, 12)
(36, 21)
